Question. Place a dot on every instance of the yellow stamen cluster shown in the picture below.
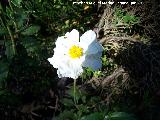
(75, 51)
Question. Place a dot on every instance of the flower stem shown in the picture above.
(74, 91)
(12, 39)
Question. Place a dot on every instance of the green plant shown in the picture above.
(119, 116)
(123, 18)
(28, 29)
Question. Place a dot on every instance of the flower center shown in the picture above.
(75, 51)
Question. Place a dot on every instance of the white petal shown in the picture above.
(92, 62)
(94, 48)
(88, 37)
(60, 41)
(59, 56)
(51, 60)
(73, 35)
(55, 61)
(98, 55)
(67, 67)
(70, 70)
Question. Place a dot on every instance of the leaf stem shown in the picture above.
(12, 39)
(15, 24)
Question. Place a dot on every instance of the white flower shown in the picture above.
(71, 55)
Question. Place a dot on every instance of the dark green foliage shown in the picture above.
(4, 69)
(93, 116)
(9, 49)
(29, 29)
(120, 116)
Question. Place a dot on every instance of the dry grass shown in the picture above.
(138, 62)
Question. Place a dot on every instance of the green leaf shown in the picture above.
(120, 116)
(78, 94)
(67, 102)
(21, 17)
(93, 116)
(17, 3)
(9, 49)
(31, 30)
(31, 45)
(66, 115)
(9, 14)
(4, 69)
(2, 42)
(3, 31)
(0, 8)
(83, 108)
(130, 19)
(4, 92)
(98, 74)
